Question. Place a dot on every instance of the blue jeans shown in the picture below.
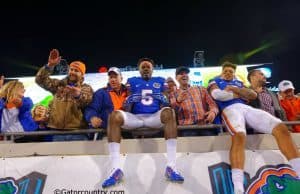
(76, 137)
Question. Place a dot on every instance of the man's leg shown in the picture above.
(287, 146)
(233, 117)
(237, 160)
(168, 118)
(272, 125)
(115, 121)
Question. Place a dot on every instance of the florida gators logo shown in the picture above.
(279, 179)
(8, 186)
(30, 183)
(268, 179)
(156, 85)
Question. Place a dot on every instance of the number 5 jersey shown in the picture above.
(146, 95)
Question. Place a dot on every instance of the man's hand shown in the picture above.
(1, 81)
(40, 118)
(245, 93)
(40, 113)
(183, 94)
(96, 122)
(54, 58)
(234, 90)
(75, 91)
(230, 88)
(209, 116)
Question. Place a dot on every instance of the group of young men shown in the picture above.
(142, 102)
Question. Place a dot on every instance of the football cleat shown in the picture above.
(115, 178)
(173, 176)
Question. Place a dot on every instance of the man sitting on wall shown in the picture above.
(143, 110)
(231, 95)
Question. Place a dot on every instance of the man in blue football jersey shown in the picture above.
(231, 96)
(146, 107)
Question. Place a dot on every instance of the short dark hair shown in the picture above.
(228, 64)
(251, 73)
(145, 59)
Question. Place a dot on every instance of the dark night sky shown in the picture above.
(118, 33)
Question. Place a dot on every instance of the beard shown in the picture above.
(262, 82)
(73, 78)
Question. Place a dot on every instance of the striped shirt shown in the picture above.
(266, 102)
(192, 110)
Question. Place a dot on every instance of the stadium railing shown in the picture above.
(12, 135)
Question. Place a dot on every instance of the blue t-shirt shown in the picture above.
(147, 95)
(221, 83)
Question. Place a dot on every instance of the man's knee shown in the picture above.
(166, 115)
(281, 130)
(239, 138)
(116, 117)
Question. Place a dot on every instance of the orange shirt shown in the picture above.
(292, 109)
(118, 99)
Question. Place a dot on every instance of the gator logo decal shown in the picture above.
(31, 183)
(8, 186)
(220, 178)
(269, 179)
(279, 179)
